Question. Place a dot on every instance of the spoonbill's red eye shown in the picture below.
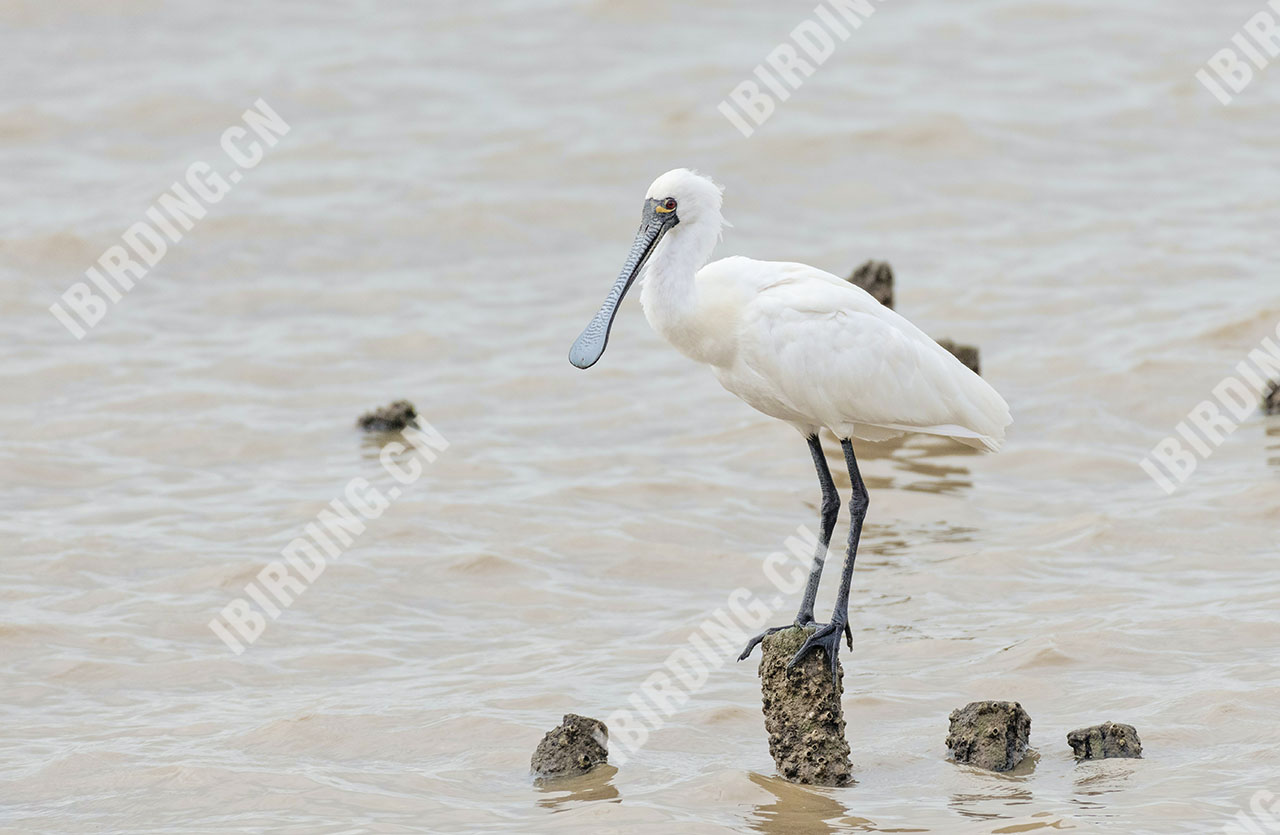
(670, 205)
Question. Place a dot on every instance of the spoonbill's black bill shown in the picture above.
(655, 220)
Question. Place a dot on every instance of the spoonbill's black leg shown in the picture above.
(828, 637)
(830, 510)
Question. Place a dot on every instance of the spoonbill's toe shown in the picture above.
(828, 637)
(772, 629)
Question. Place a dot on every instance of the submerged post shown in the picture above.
(802, 713)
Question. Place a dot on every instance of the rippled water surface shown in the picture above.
(457, 190)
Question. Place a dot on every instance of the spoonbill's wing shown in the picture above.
(836, 355)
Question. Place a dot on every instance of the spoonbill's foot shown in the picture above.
(757, 639)
(772, 629)
(828, 637)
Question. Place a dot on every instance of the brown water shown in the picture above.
(457, 190)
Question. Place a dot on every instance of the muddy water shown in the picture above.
(457, 189)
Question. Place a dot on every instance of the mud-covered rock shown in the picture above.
(991, 735)
(577, 745)
(1101, 742)
(1271, 400)
(802, 713)
(967, 354)
(876, 277)
(391, 418)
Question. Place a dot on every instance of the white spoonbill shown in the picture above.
(800, 345)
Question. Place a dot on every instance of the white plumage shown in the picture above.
(803, 345)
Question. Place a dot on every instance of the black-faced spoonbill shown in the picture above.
(800, 345)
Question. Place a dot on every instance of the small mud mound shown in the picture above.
(390, 418)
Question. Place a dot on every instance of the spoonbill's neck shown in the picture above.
(669, 290)
(670, 293)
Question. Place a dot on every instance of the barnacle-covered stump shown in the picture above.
(991, 735)
(802, 712)
(967, 354)
(576, 746)
(876, 277)
(1102, 742)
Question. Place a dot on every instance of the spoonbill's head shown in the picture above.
(697, 197)
(678, 196)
